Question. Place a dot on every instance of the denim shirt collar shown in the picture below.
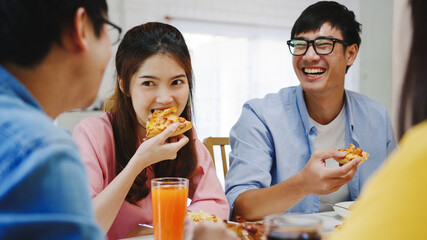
(10, 85)
(308, 123)
(350, 132)
(302, 108)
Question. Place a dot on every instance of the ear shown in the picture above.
(351, 54)
(76, 36)
(121, 85)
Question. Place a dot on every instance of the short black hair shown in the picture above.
(28, 28)
(314, 16)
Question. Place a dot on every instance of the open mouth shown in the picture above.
(313, 72)
(158, 109)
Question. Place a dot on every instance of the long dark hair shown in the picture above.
(413, 105)
(138, 44)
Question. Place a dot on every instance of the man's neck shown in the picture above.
(324, 108)
(47, 83)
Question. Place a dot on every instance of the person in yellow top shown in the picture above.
(393, 204)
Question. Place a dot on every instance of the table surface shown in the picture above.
(329, 221)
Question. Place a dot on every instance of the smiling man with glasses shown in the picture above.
(282, 145)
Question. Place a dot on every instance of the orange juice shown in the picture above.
(169, 207)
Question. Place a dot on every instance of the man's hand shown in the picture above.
(314, 178)
(321, 180)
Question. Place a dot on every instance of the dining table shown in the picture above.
(329, 221)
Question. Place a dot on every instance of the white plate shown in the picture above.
(341, 211)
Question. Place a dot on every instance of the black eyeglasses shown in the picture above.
(114, 31)
(321, 45)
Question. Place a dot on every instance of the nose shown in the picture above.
(311, 55)
(164, 96)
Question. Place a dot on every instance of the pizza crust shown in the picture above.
(352, 153)
(159, 120)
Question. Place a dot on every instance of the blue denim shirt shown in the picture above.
(43, 185)
(273, 140)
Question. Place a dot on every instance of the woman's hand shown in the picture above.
(159, 148)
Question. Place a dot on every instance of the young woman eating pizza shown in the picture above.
(153, 73)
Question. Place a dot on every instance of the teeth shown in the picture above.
(314, 70)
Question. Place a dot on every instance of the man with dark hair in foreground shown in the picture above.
(52, 59)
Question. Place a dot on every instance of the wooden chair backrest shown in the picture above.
(210, 142)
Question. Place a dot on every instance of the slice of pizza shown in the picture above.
(159, 120)
(247, 230)
(203, 216)
(352, 153)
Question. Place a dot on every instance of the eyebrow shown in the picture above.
(323, 36)
(154, 77)
(179, 76)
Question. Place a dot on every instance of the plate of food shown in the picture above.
(343, 208)
(245, 230)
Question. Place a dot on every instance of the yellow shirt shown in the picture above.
(393, 204)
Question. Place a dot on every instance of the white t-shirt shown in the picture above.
(332, 135)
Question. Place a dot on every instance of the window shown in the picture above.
(228, 71)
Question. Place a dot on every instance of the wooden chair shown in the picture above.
(210, 142)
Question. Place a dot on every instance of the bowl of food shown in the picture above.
(343, 208)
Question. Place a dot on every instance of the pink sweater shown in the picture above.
(94, 137)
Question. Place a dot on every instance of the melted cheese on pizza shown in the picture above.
(352, 153)
(203, 216)
(159, 120)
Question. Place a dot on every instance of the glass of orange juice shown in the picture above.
(169, 196)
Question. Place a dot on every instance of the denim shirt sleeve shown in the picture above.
(251, 157)
(43, 185)
(269, 145)
(45, 196)
(368, 127)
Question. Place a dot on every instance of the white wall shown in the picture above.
(376, 50)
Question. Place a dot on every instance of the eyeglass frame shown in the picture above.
(334, 40)
(119, 29)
